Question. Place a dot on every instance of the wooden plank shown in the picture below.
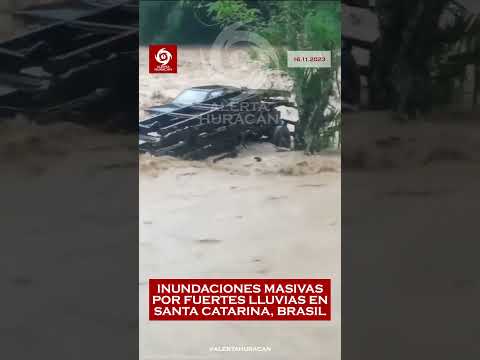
(94, 46)
(14, 55)
(90, 24)
(181, 115)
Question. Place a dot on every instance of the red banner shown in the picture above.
(240, 299)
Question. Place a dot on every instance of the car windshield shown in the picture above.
(191, 97)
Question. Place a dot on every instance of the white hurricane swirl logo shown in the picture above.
(221, 60)
(163, 56)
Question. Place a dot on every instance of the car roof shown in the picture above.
(213, 87)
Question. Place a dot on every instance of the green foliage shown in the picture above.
(314, 87)
(153, 17)
(322, 27)
(417, 57)
(297, 25)
(174, 22)
(460, 48)
(231, 11)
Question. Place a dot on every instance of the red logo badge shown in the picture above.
(162, 59)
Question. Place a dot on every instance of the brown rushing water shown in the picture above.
(277, 217)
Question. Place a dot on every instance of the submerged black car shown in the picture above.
(193, 95)
(206, 120)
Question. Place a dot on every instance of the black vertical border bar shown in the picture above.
(410, 286)
(69, 227)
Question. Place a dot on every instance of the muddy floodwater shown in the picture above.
(264, 214)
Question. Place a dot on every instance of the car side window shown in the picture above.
(215, 94)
